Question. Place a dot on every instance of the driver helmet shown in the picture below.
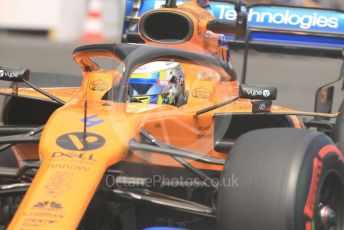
(158, 82)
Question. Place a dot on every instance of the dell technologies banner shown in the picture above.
(276, 19)
(297, 19)
(271, 17)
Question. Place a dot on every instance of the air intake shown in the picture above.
(166, 27)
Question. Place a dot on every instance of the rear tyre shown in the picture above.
(338, 134)
(285, 179)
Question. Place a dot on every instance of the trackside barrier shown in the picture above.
(62, 19)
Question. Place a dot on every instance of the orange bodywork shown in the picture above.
(70, 175)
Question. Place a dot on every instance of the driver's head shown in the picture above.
(159, 82)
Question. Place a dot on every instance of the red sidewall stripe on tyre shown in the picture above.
(317, 170)
(330, 149)
(310, 202)
(309, 225)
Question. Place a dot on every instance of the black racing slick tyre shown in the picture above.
(338, 134)
(282, 178)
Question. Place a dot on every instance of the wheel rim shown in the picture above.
(330, 213)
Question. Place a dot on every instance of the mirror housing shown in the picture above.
(220, 26)
(257, 92)
(324, 99)
(237, 27)
(14, 74)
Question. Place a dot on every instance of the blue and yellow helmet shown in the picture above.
(158, 82)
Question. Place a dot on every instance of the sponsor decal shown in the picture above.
(92, 121)
(43, 213)
(253, 92)
(203, 132)
(80, 156)
(79, 141)
(70, 166)
(59, 182)
(201, 93)
(52, 215)
(285, 18)
(257, 92)
(278, 17)
(8, 74)
(266, 93)
(259, 106)
(47, 205)
(296, 19)
(262, 106)
(98, 85)
(35, 222)
(224, 11)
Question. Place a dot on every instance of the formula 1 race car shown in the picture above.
(162, 134)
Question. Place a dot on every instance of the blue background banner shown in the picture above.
(298, 19)
(276, 19)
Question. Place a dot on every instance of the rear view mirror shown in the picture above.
(257, 92)
(14, 74)
(324, 99)
(221, 26)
